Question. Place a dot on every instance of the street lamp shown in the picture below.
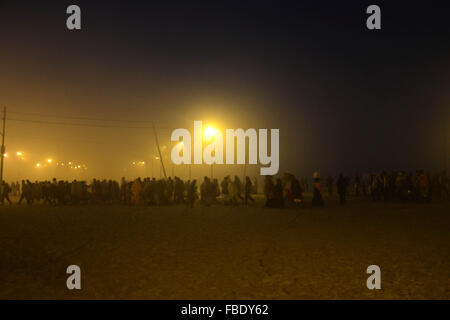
(181, 148)
(157, 158)
(190, 163)
(210, 134)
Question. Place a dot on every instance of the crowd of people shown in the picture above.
(147, 191)
(283, 191)
(418, 187)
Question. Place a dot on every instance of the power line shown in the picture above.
(77, 118)
(82, 124)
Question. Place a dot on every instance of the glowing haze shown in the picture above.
(213, 152)
(344, 99)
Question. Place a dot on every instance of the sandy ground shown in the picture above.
(226, 252)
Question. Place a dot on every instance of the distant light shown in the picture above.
(49, 160)
(210, 133)
(157, 158)
(19, 153)
(38, 165)
(79, 167)
(70, 163)
(5, 155)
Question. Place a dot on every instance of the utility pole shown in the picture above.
(3, 145)
(214, 155)
(159, 151)
(153, 158)
(446, 139)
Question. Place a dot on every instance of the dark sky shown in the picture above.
(344, 98)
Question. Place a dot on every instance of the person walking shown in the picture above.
(248, 190)
(5, 191)
(342, 184)
(317, 200)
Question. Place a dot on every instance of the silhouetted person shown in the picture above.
(342, 184)
(248, 190)
(269, 190)
(224, 186)
(238, 185)
(255, 186)
(317, 200)
(26, 192)
(5, 191)
(178, 190)
(357, 185)
(278, 194)
(192, 193)
(215, 190)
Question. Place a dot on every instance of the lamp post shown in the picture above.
(3, 149)
(158, 158)
(181, 144)
(212, 175)
(210, 134)
(153, 158)
(19, 166)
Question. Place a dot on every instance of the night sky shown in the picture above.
(344, 98)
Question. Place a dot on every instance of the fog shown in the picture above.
(340, 102)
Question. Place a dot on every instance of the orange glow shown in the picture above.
(209, 133)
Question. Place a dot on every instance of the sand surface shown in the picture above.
(174, 252)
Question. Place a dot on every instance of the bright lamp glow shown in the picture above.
(210, 133)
